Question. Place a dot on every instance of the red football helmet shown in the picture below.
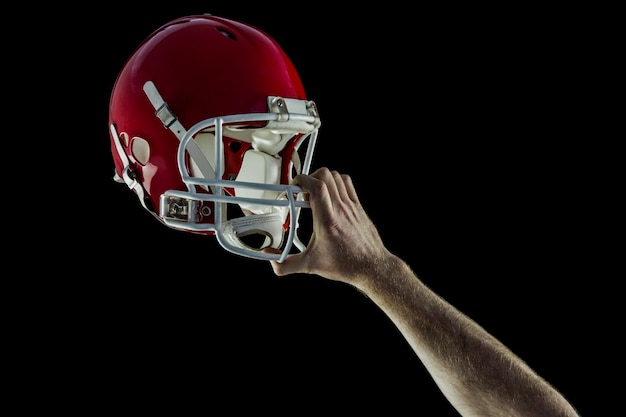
(209, 123)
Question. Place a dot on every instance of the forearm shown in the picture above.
(478, 374)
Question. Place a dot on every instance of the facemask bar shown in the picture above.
(223, 228)
(184, 210)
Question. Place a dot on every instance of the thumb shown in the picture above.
(291, 265)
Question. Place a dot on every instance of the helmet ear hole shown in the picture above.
(140, 149)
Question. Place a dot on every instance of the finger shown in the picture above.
(350, 189)
(318, 190)
(292, 264)
(277, 267)
(326, 177)
(341, 186)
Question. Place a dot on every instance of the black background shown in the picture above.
(456, 127)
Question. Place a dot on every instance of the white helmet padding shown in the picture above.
(257, 167)
(261, 168)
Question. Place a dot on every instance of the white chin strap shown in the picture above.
(268, 225)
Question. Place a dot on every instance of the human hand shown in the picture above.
(345, 245)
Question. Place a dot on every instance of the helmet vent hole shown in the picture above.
(234, 146)
(226, 33)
